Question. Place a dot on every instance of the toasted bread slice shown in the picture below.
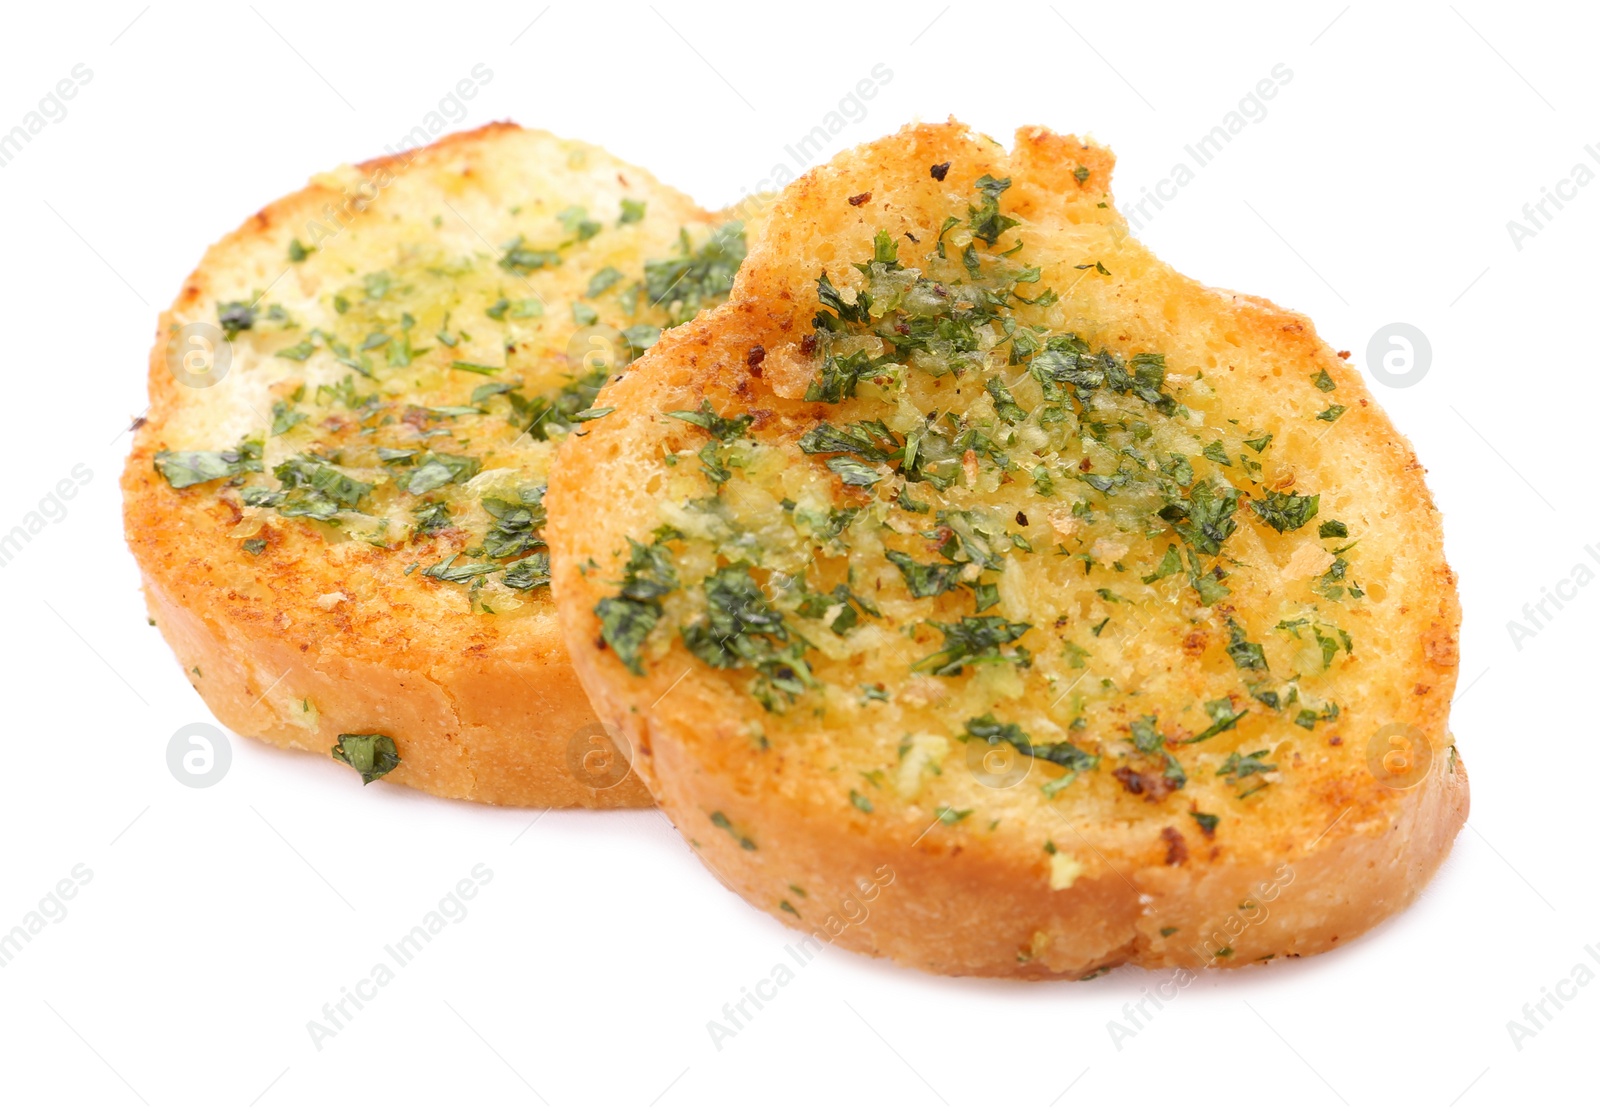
(336, 498)
(971, 562)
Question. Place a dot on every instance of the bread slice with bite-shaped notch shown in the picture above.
(972, 568)
(336, 499)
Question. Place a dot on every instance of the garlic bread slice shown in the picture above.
(972, 562)
(336, 500)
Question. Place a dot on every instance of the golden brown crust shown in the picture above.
(312, 638)
(1294, 871)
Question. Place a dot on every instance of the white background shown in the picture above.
(1376, 189)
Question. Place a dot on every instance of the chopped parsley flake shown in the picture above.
(627, 619)
(1223, 718)
(372, 755)
(437, 469)
(299, 353)
(1285, 512)
(970, 641)
(521, 259)
(1238, 767)
(603, 281)
(1171, 564)
(926, 580)
(235, 317)
(186, 469)
(695, 278)
(1247, 655)
(1063, 753)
